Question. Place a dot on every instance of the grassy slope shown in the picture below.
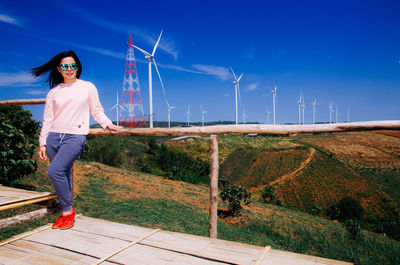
(364, 166)
(150, 201)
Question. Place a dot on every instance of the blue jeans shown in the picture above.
(63, 150)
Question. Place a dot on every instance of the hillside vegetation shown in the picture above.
(142, 199)
(161, 182)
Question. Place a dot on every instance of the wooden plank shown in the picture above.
(20, 236)
(289, 258)
(26, 217)
(110, 229)
(203, 247)
(89, 244)
(12, 195)
(126, 247)
(263, 254)
(27, 202)
(141, 254)
(26, 252)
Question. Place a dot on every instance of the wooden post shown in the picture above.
(214, 167)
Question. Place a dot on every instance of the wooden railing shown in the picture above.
(225, 129)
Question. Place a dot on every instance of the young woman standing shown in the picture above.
(66, 124)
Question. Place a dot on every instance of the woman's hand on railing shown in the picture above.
(112, 127)
(42, 152)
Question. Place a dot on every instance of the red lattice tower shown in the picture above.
(131, 99)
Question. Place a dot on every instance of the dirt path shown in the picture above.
(293, 173)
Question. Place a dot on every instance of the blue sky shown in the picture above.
(347, 52)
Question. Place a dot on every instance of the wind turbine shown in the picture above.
(348, 114)
(202, 115)
(150, 58)
(236, 82)
(268, 112)
(118, 106)
(330, 111)
(188, 114)
(303, 106)
(299, 105)
(336, 113)
(169, 115)
(244, 116)
(274, 100)
(314, 104)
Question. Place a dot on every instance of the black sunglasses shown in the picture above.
(72, 66)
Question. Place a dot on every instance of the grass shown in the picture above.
(282, 228)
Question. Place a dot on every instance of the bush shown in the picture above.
(346, 208)
(106, 150)
(268, 196)
(179, 166)
(349, 211)
(15, 153)
(234, 195)
(353, 226)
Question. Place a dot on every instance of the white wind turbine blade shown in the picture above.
(143, 51)
(201, 107)
(162, 85)
(233, 73)
(155, 46)
(240, 77)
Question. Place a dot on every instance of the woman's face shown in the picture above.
(68, 69)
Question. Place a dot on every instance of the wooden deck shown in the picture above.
(91, 240)
(12, 197)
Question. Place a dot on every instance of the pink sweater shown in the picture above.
(67, 109)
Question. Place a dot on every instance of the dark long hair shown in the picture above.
(55, 77)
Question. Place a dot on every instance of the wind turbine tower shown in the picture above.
(131, 98)
(188, 114)
(244, 116)
(118, 107)
(169, 115)
(202, 115)
(299, 106)
(150, 58)
(274, 101)
(268, 112)
(236, 82)
(330, 111)
(348, 114)
(314, 104)
(336, 113)
(303, 106)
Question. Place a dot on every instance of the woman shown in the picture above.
(66, 124)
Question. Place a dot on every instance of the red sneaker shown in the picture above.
(58, 222)
(68, 221)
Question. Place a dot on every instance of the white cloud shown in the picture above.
(10, 20)
(217, 71)
(252, 87)
(151, 38)
(17, 79)
(35, 92)
(226, 95)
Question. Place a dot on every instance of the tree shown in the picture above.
(234, 195)
(17, 133)
(268, 195)
(15, 153)
(346, 208)
(22, 120)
